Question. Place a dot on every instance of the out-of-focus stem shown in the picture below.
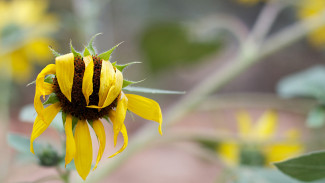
(249, 55)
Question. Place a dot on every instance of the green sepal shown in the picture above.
(52, 99)
(107, 119)
(127, 82)
(122, 67)
(86, 52)
(48, 79)
(90, 122)
(151, 90)
(55, 53)
(64, 118)
(106, 55)
(74, 121)
(90, 44)
(75, 53)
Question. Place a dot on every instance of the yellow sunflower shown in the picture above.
(307, 9)
(257, 145)
(87, 88)
(24, 36)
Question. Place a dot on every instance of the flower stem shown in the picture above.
(250, 54)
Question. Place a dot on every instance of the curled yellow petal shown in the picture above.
(40, 125)
(87, 81)
(266, 126)
(115, 90)
(43, 88)
(125, 136)
(107, 77)
(100, 132)
(70, 143)
(84, 151)
(146, 108)
(117, 117)
(65, 73)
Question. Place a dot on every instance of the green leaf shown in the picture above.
(55, 53)
(122, 67)
(308, 167)
(150, 90)
(316, 117)
(20, 143)
(308, 83)
(90, 44)
(48, 79)
(127, 82)
(86, 52)
(51, 99)
(75, 53)
(106, 55)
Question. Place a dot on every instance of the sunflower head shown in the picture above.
(85, 88)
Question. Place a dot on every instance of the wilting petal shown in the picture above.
(125, 136)
(117, 117)
(42, 88)
(146, 108)
(244, 123)
(70, 143)
(40, 125)
(84, 151)
(265, 126)
(107, 77)
(87, 81)
(65, 73)
(100, 132)
(115, 90)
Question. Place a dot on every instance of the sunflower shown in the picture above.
(307, 9)
(25, 27)
(87, 88)
(257, 146)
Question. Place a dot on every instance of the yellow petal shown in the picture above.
(65, 73)
(38, 49)
(117, 117)
(115, 90)
(125, 136)
(107, 77)
(229, 152)
(70, 143)
(87, 81)
(47, 88)
(282, 151)
(244, 123)
(266, 125)
(21, 66)
(41, 125)
(84, 151)
(100, 132)
(146, 108)
(42, 88)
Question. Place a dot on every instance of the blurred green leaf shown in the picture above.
(20, 143)
(167, 45)
(150, 90)
(28, 114)
(107, 55)
(308, 83)
(308, 167)
(316, 117)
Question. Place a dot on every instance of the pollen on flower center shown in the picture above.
(77, 106)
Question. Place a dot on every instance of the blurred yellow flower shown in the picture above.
(24, 36)
(256, 145)
(307, 9)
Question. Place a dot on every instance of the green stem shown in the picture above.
(249, 55)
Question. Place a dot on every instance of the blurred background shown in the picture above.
(253, 72)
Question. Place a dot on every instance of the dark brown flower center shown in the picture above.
(77, 106)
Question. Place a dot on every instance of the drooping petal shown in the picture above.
(87, 81)
(266, 126)
(42, 88)
(244, 123)
(115, 90)
(70, 143)
(84, 151)
(40, 125)
(145, 107)
(117, 117)
(65, 73)
(100, 132)
(125, 136)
